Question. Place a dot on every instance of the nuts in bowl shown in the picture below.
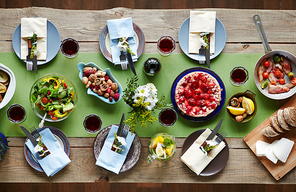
(242, 107)
(100, 83)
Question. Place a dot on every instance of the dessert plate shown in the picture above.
(133, 155)
(59, 135)
(217, 164)
(53, 42)
(218, 108)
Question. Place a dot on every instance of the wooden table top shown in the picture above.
(85, 26)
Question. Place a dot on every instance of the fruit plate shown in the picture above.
(218, 108)
(80, 67)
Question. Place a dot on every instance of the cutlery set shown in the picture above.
(127, 57)
(31, 62)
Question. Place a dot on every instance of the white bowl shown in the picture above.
(11, 87)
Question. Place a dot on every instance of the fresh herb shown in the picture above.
(34, 44)
(143, 100)
(3, 146)
(123, 45)
(205, 38)
(168, 142)
(41, 148)
(117, 144)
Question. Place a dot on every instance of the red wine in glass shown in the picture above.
(239, 75)
(16, 113)
(70, 47)
(167, 117)
(92, 123)
(166, 45)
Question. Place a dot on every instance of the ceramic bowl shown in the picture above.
(11, 87)
(37, 109)
(80, 67)
(248, 94)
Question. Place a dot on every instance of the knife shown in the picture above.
(208, 60)
(130, 62)
(35, 64)
(215, 131)
(120, 127)
(29, 135)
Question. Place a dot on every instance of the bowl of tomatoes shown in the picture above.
(53, 95)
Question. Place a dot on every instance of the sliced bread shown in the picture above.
(290, 116)
(269, 132)
(282, 121)
(275, 124)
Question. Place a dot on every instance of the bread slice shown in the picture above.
(290, 116)
(269, 132)
(275, 124)
(282, 121)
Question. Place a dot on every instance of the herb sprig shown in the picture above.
(34, 44)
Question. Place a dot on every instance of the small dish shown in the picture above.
(80, 67)
(249, 94)
(11, 87)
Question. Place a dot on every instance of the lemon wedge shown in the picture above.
(159, 150)
(236, 110)
(169, 150)
(156, 140)
(248, 104)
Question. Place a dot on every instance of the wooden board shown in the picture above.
(280, 169)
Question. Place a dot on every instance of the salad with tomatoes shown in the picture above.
(54, 96)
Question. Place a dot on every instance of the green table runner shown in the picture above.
(172, 66)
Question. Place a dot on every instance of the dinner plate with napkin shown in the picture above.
(195, 158)
(56, 160)
(109, 159)
(29, 26)
(117, 29)
(201, 21)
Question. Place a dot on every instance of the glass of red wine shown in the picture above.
(16, 113)
(167, 117)
(166, 45)
(69, 47)
(92, 123)
(239, 75)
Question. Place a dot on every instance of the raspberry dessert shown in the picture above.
(198, 94)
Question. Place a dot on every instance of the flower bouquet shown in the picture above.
(143, 100)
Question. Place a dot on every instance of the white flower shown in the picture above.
(202, 42)
(121, 140)
(142, 91)
(151, 88)
(121, 47)
(37, 52)
(38, 148)
(151, 102)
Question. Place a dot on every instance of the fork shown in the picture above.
(221, 137)
(123, 61)
(35, 132)
(125, 131)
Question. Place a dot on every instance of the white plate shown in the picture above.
(220, 40)
(11, 87)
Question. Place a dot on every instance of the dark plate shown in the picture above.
(198, 69)
(61, 137)
(133, 155)
(105, 43)
(217, 164)
(53, 42)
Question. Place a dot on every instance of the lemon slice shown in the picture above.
(159, 150)
(158, 139)
(248, 104)
(236, 110)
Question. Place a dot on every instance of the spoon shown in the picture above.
(41, 124)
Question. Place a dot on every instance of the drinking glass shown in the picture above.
(69, 47)
(166, 45)
(161, 147)
(92, 123)
(239, 76)
(167, 117)
(16, 113)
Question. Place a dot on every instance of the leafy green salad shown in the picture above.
(54, 96)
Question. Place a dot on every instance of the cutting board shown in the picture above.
(280, 169)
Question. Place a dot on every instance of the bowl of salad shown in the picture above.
(54, 95)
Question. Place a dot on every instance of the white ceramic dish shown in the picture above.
(11, 87)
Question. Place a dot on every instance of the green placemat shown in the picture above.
(172, 66)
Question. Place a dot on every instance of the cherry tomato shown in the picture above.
(54, 118)
(273, 83)
(44, 100)
(65, 85)
(282, 81)
(277, 73)
(51, 113)
(41, 107)
(265, 75)
(50, 100)
(266, 63)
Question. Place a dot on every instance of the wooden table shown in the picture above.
(85, 26)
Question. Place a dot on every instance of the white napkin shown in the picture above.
(201, 21)
(195, 158)
(121, 28)
(28, 27)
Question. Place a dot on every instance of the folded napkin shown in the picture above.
(56, 160)
(195, 158)
(30, 26)
(109, 159)
(201, 21)
(121, 28)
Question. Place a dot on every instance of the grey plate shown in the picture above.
(133, 155)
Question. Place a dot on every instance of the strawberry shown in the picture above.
(192, 102)
(116, 96)
(110, 99)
